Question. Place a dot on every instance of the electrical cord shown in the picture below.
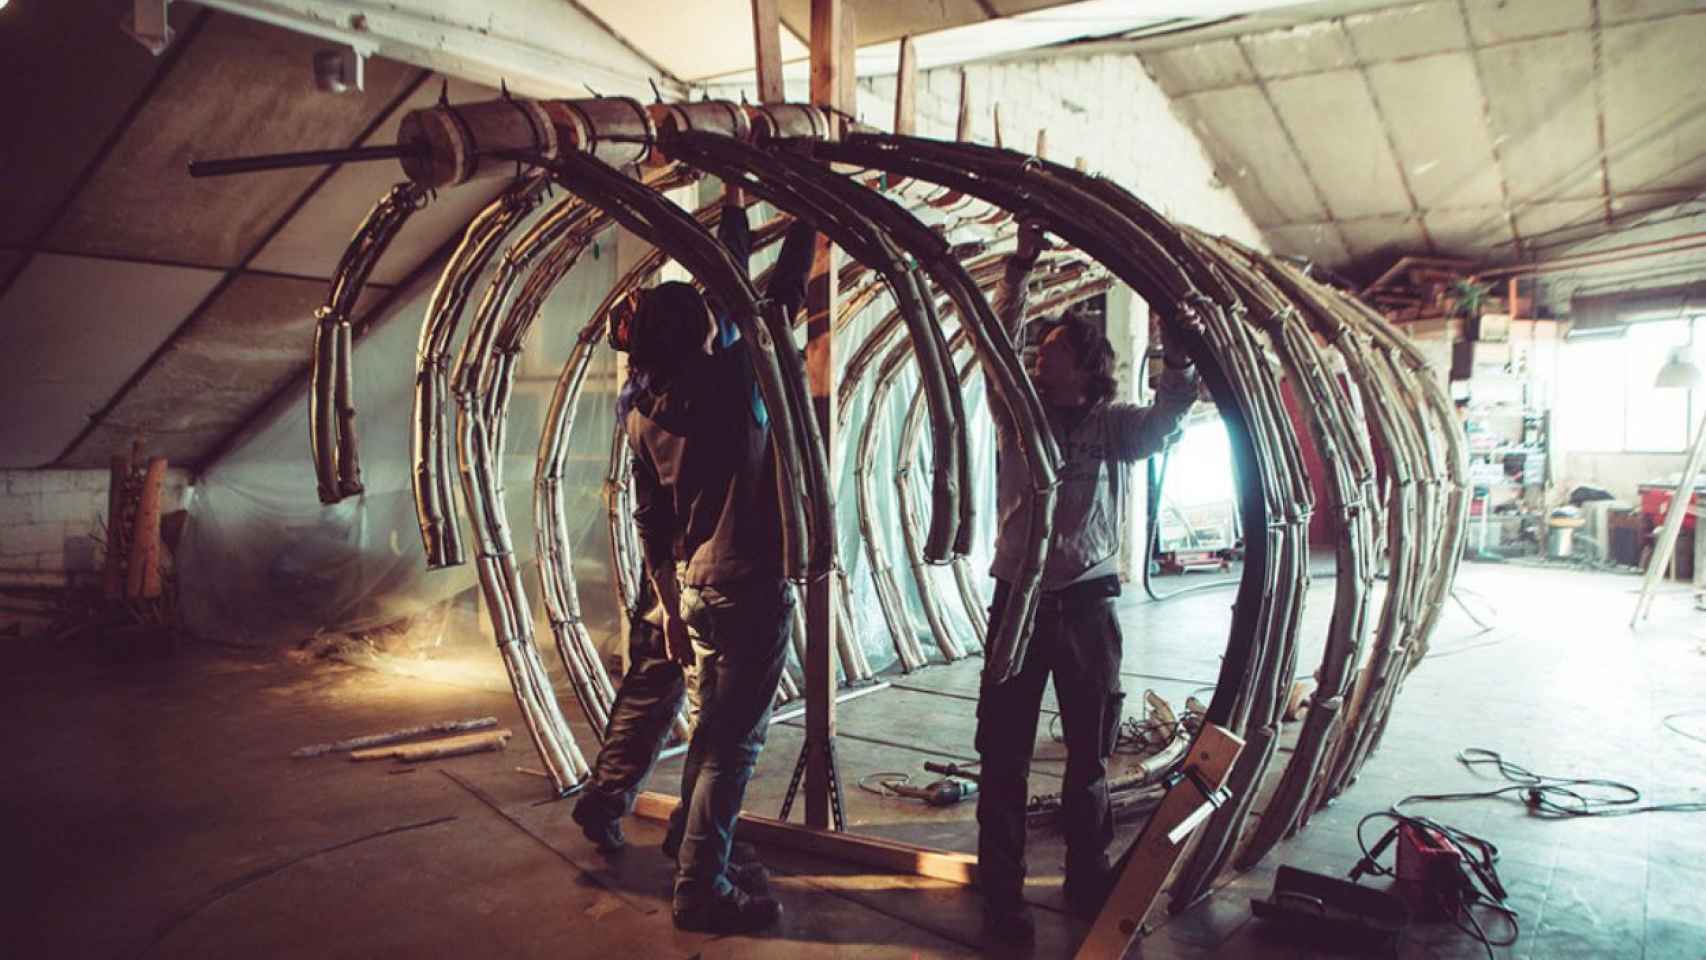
(1554, 798)
(886, 780)
(1670, 724)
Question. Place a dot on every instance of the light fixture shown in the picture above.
(1679, 370)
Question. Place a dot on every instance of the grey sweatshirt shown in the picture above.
(1095, 447)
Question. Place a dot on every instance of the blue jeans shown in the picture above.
(740, 634)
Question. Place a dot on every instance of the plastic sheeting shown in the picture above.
(265, 563)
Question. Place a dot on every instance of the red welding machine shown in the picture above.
(1430, 874)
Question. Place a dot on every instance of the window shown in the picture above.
(1607, 402)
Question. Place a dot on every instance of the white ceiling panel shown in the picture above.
(1414, 30)
(1619, 11)
(1654, 75)
(72, 330)
(1496, 21)
(1343, 142)
(1251, 154)
(1448, 159)
(311, 243)
(1467, 233)
(1540, 95)
(1383, 239)
(1310, 48)
(1538, 221)
(1205, 66)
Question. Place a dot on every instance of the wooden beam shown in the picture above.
(906, 90)
(826, 51)
(830, 43)
(144, 581)
(1162, 844)
(889, 856)
(847, 70)
(767, 48)
(962, 128)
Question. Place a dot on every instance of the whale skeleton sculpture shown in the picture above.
(1257, 327)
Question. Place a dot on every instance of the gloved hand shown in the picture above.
(1032, 242)
(1172, 351)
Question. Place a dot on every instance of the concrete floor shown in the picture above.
(152, 810)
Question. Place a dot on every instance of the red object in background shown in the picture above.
(1655, 503)
(1430, 878)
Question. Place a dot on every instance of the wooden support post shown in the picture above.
(118, 535)
(144, 580)
(1042, 142)
(847, 71)
(906, 90)
(828, 46)
(1162, 844)
(996, 110)
(962, 127)
(767, 46)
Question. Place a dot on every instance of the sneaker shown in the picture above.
(1012, 925)
(604, 832)
(738, 912)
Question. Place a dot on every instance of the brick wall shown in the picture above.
(53, 520)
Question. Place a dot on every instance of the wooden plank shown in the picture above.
(1156, 852)
(847, 71)
(892, 856)
(117, 537)
(906, 90)
(962, 126)
(826, 51)
(422, 747)
(144, 579)
(767, 45)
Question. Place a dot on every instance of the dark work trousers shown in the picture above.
(740, 633)
(640, 721)
(1077, 639)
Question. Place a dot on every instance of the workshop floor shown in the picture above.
(152, 810)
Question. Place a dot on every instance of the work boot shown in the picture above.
(1011, 924)
(1087, 890)
(604, 831)
(736, 912)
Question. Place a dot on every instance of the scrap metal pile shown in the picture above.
(1258, 329)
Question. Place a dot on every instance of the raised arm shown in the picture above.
(733, 231)
(1139, 432)
(793, 268)
(1010, 302)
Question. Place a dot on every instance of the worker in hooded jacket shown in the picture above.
(1076, 635)
(715, 603)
